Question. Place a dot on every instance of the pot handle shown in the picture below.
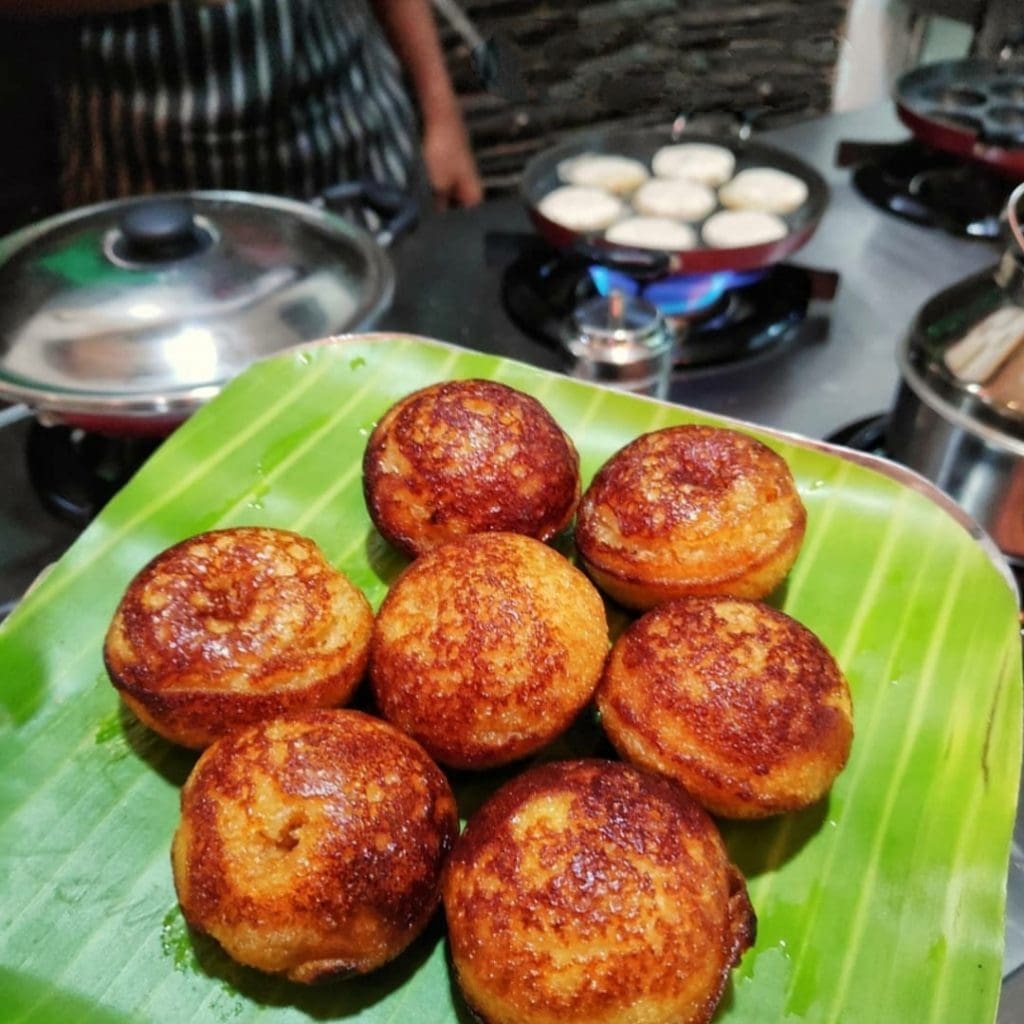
(399, 212)
(642, 264)
(12, 414)
(501, 247)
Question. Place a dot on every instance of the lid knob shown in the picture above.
(160, 230)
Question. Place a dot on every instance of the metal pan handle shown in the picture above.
(642, 264)
(501, 247)
(10, 414)
(398, 211)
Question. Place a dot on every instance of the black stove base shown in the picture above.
(927, 187)
(863, 435)
(75, 473)
(30, 538)
(542, 287)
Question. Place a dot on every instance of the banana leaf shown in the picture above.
(885, 902)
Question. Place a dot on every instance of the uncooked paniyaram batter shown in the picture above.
(652, 233)
(613, 173)
(581, 209)
(695, 161)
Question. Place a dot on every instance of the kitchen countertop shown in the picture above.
(839, 366)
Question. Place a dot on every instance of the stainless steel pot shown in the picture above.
(124, 317)
(958, 418)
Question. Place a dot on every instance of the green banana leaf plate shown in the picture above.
(885, 903)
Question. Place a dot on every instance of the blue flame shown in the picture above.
(678, 295)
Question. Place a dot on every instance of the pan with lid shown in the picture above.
(125, 316)
(958, 418)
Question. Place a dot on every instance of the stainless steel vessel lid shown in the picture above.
(988, 359)
(967, 346)
(166, 296)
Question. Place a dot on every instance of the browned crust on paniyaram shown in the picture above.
(234, 626)
(690, 510)
(468, 456)
(738, 702)
(590, 891)
(487, 648)
(312, 846)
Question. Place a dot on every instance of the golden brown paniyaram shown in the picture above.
(589, 892)
(487, 648)
(737, 701)
(690, 510)
(468, 456)
(233, 626)
(312, 845)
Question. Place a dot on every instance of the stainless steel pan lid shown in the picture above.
(965, 354)
(958, 417)
(149, 305)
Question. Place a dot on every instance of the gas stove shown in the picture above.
(57, 480)
(713, 318)
(925, 186)
(74, 472)
(30, 536)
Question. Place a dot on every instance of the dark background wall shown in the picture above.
(644, 62)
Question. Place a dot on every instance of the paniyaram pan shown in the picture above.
(541, 177)
(971, 108)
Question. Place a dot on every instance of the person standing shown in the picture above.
(280, 96)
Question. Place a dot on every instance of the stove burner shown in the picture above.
(714, 318)
(928, 187)
(678, 294)
(75, 473)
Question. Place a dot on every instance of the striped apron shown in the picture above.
(278, 96)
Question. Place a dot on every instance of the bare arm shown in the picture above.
(409, 25)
